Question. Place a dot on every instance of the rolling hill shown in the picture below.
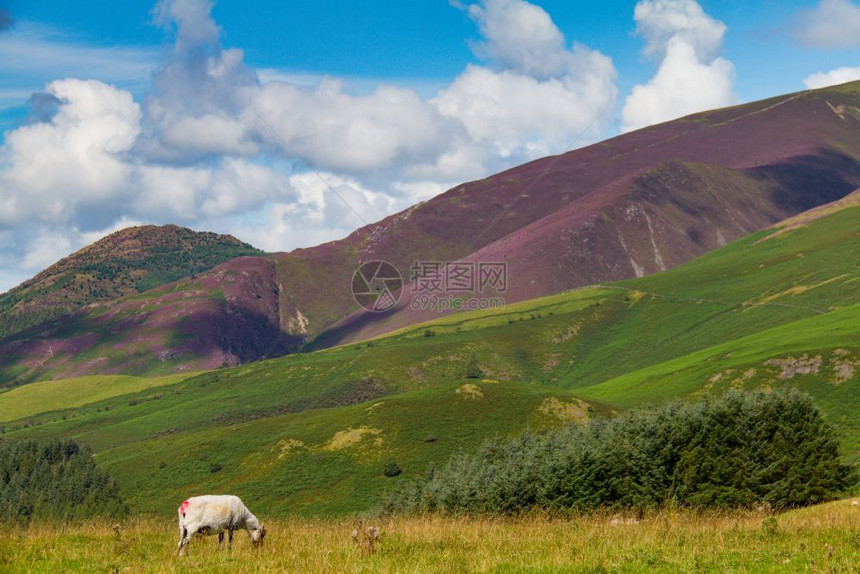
(126, 262)
(311, 433)
(630, 206)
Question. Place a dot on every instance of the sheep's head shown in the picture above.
(257, 536)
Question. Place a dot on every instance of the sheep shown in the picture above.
(213, 514)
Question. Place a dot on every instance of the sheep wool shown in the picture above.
(216, 514)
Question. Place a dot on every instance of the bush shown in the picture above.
(391, 469)
(738, 451)
(57, 479)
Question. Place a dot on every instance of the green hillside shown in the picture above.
(313, 433)
(69, 393)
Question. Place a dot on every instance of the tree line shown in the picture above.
(741, 450)
(54, 480)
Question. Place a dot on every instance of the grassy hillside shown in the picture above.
(70, 393)
(224, 318)
(313, 433)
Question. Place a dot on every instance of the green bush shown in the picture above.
(473, 369)
(54, 480)
(737, 451)
(391, 469)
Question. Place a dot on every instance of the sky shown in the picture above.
(289, 124)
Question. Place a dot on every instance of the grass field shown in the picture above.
(825, 538)
(64, 394)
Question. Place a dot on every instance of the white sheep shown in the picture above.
(213, 514)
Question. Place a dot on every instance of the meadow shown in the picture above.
(824, 538)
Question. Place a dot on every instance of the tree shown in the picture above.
(473, 369)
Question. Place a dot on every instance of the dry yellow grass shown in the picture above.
(821, 539)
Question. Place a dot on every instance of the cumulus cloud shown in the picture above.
(284, 161)
(313, 214)
(663, 22)
(831, 24)
(686, 43)
(52, 168)
(831, 78)
(192, 21)
(536, 94)
(519, 36)
(336, 130)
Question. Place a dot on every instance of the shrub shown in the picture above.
(737, 451)
(473, 369)
(391, 469)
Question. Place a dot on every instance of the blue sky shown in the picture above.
(247, 117)
(422, 44)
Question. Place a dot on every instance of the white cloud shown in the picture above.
(46, 249)
(192, 19)
(313, 214)
(335, 130)
(49, 243)
(831, 24)
(53, 168)
(524, 117)
(661, 22)
(521, 37)
(536, 95)
(831, 78)
(212, 146)
(210, 134)
(691, 77)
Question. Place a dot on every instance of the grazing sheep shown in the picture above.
(213, 514)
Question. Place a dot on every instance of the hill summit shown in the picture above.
(128, 261)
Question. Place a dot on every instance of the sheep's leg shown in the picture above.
(220, 539)
(231, 539)
(183, 542)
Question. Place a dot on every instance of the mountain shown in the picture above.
(127, 262)
(649, 200)
(630, 206)
(311, 433)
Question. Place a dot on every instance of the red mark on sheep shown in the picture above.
(183, 506)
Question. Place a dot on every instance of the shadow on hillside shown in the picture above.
(807, 181)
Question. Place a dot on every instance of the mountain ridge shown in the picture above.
(633, 205)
